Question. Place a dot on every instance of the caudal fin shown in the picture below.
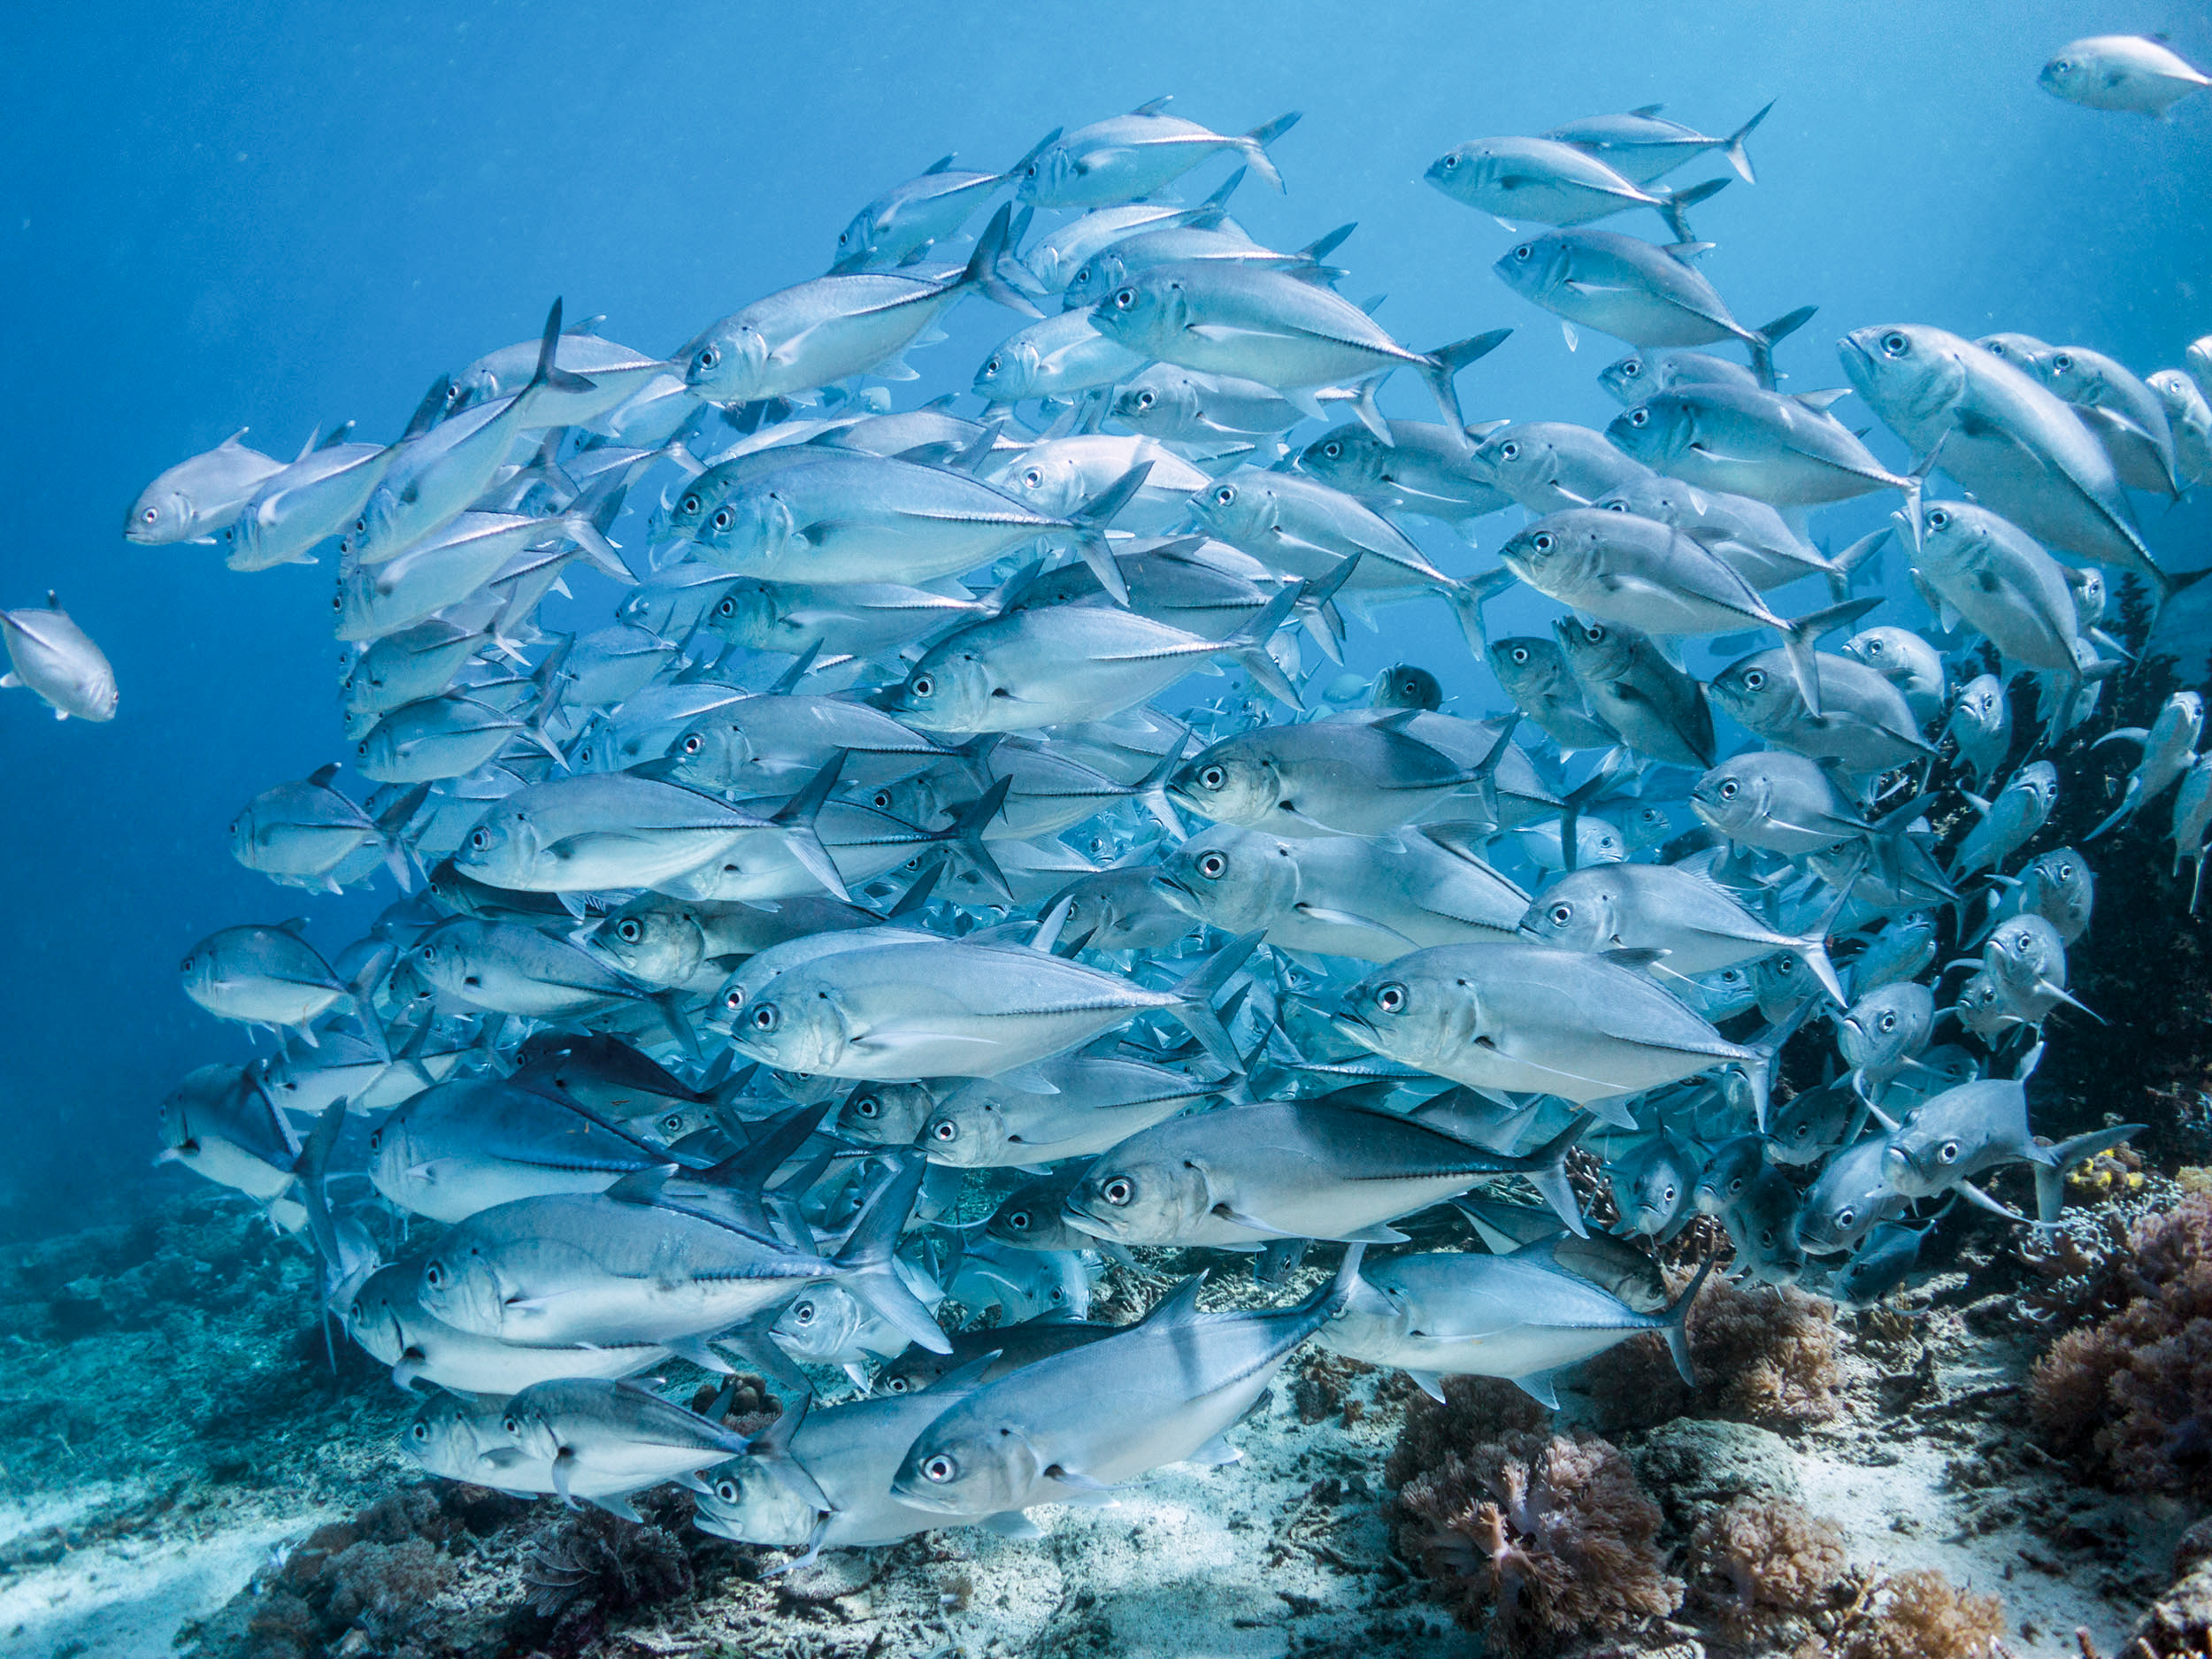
(1442, 365)
(1255, 145)
(1674, 205)
(866, 1267)
(1195, 996)
(1739, 156)
(984, 273)
(1764, 341)
(1677, 1329)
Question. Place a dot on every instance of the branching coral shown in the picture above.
(1772, 1555)
(1763, 1354)
(2133, 1395)
(1531, 1537)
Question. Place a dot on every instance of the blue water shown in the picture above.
(226, 216)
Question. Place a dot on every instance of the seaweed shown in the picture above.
(1531, 1538)
(2130, 1397)
(1774, 1556)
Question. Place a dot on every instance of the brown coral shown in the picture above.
(1764, 1354)
(1531, 1537)
(1774, 1555)
(2132, 1394)
(1919, 1614)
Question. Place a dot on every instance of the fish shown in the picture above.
(1637, 292)
(1908, 662)
(605, 1440)
(1424, 468)
(1516, 1316)
(2189, 418)
(221, 1123)
(1245, 1175)
(2126, 415)
(2058, 885)
(2193, 824)
(53, 657)
(300, 833)
(2018, 810)
(388, 1322)
(1643, 145)
(1531, 1017)
(1787, 452)
(264, 976)
(194, 499)
(1631, 378)
(1165, 1390)
(313, 499)
(1092, 1102)
(1126, 157)
(1980, 725)
(1551, 183)
(902, 223)
(1001, 1349)
(1534, 674)
(1864, 725)
(1766, 1225)
(1053, 359)
(2169, 747)
(1966, 1132)
(1750, 536)
(2131, 73)
(1657, 708)
(1883, 1032)
(1653, 1187)
(1885, 1259)
(1776, 802)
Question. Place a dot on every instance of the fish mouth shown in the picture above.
(918, 1494)
(1177, 894)
(1082, 1221)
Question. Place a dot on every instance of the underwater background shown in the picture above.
(222, 216)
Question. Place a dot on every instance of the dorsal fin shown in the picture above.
(1156, 106)
(1180, 1304)
(939, 164)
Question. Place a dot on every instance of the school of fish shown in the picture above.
(876, 917)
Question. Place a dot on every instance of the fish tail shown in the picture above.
(986, 270)
(1800, 637)
(1843, 566)
(1761, 340)
(1547, 1173)
(866, 1264)
(1677, 1329)
(1255, 143)
(1440, 367)
(1674, 205)
(1195, 999)
(2050, 1178)
(548, 375)
(964, 836)
(796, 819)
(1247, 646)
(1739, 156)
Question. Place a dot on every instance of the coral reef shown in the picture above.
(2178, 1625)
(585, 1568)
(1533, 1538)
(2131, 1396)
(1918, 1615)
(1773, 1556)
(1763, 1354)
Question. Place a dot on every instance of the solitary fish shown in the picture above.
(48, 653)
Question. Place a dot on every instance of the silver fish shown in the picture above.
(1643, 145)
(2169, 749)
(1551, 183)
(1981, 725)
(1126, 157)
(607, 1440)
(48, 654)
(2017, 812)
(194, 499)
(1786, 452)
(2121, 72)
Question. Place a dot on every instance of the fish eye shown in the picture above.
(880, 800)
(1754, 679)
(1667, 1196)
(1119, 1190)
(1333, 448)
(726, 1490)
(724, 518)
(512, 1425)
(433, 1275)
(1948, 1152)
(1939, 519)
(2062, 362)
(1561, 914)
(479, 838)
(670, 1124)
(2066, 872)
(338, 602)
(1511, 450)
(1450, 161)
(945, 1130)
(996, 365)
(1523, 251)
(867, 1106)
(803, 1312)
(941, 1468)
(1213, 778)
(1728, 790)
(185, 966)
(150, 515)
(628, 930)
(693, 744)
(896, 1384)
(1212, 867)
(923, 686)
(1543, 540)
(1144, 400)
(1766, 1240)
(1390, 998)
(1519, 654)
(428, 953)
(767, 1017)
(1630, 368)
(1895, 345)
(709, 357)
(1888, 1022)
(1019, 1221)
(1123, 298)
(1034, 477)
(376, 1140)
(420, 1432)
(1640, 417)
(1846, 1216)
(689, 505)
(1226, 494)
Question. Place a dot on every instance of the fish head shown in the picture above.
(1728, 1174)
(1351, 458)
(2037, 783)
(1010, 373)
(2024, 352)
(747, 614)
(1528, 667)
(446, 1437)
(2088, 584)
(530, 1422)
(1048, 175)
(159, 516)
(1535, 269)
(1158, 397)
(750, 1503)
(372, 1320)
(970, 1462)
(818, 1324)
(857, 242)
(1885, 1027)
(1629, 379)
(504, 850)
(1134, 1194)
(1233, 879)
(1048, 479)
(713, 755)
(396, 1168)
(1028, 1219)
(1954, 539)
(1238, 508)
(1982, 1010)
(796, 1032)
(728, 364)
(883, 1113)
(478, 385)
(1733, 797)
(1520, 461)
(1413, 1011)
(1576, 912)
(1720, 995)
(373, 538)
(1655, 431)
(1553, 554)
(1904, 371)
(461, 1286)
(1405, 686)
(1230, 783)
(2061, 888)
(1757, 691)
(967, 1132)
(652, 939)
(1597, 653)
(1463, 172)
(951, 689)
(2025, 949)
(1095, 278)
(1149, 306)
